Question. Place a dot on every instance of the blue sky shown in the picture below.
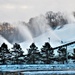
(23, 10)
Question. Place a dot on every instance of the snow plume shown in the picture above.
(55, 36)
(38, 25)
(48, 36)
(3, 40)
(52, 35)
(70, 17)
(24, 31)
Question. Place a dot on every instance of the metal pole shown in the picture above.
(66, 55)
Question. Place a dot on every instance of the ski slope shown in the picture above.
(65, 34)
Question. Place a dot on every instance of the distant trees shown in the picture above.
(56, 19)
(10, 32)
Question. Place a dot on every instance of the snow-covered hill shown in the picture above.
(54, 37)
(65, 34)
(39, 27)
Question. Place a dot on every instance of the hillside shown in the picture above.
(57, 37)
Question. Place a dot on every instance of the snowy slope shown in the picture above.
(54, 39)
(65, 34)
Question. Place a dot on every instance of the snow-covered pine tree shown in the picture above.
(47, 54)
(73, 55)
(5, 55)
(17, 54)
(33, 54)
(62, 55)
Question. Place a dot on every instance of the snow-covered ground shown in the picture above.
(60, 69)
(38, 67)
(50, 73)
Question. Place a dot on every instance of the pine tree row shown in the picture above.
(45, 56)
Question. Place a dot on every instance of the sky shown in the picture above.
(23, 10)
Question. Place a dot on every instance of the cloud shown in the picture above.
(66, 5)
(7, 6)
(11, 6)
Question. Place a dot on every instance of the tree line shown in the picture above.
(46, 55)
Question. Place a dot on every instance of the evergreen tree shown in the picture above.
(33, 54)
(5, 55)
(62, 57)
(47, 53)
(73, 55)
(17, 54)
